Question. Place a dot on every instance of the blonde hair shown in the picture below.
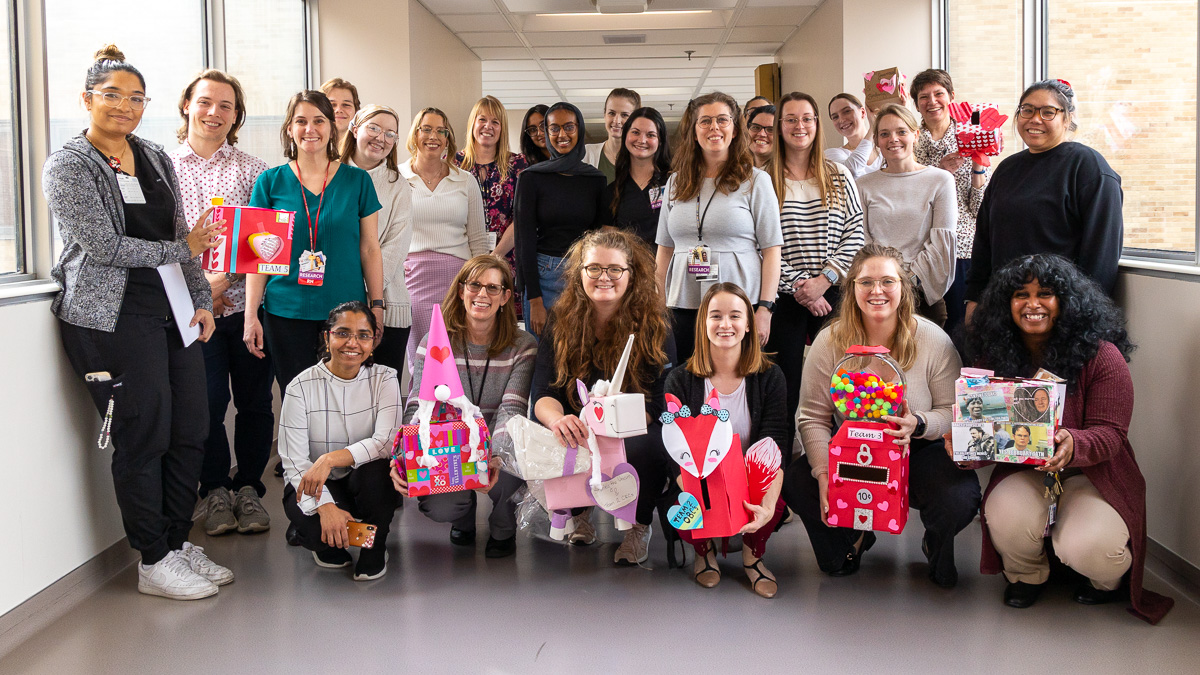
(489, 105)
(688, 162)
(831, 183)
(339, 83)
(753, 359)
(895, 110)
(848, 328)
(451, 148)
(350, 143)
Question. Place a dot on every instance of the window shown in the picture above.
(12, 239)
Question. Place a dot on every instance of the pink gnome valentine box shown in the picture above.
(256, 241)
(868, 472)
(979, 132)
(447, 449)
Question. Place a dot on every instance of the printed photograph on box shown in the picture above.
(983, 404)
(973, 441)
(1026, 441)
(1032, 405)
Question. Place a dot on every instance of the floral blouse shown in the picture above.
(930, 153)
(498, 198)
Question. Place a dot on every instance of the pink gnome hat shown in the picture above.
(439, 376)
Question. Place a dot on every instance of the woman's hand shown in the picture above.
(569, 430)
(313, 480)
(809, 290)
(762, 516)
(907, 423)
(203, 237)
(952, 162)
(399, 482)
(378, 312)
(823, 490)
(1063, 454)
(537, 315)
(762, 322)
(493, 476)
(252, 334)
(334, 529)
(207, 325)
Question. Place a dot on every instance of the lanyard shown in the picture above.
(313, 225)
(700, 218)
(471, 381)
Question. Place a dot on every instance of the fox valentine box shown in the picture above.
(256, 241)
(447, 449)
(868, 472)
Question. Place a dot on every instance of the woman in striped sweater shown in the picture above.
(822, 230)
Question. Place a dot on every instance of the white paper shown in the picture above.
(131, 189)
(181, 301)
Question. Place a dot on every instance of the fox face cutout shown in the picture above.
(697, 443)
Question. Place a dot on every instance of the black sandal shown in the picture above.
(762, 576)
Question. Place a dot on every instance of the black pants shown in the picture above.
(458, 508)
(368, 495)
(160, 418)
(294, 344)
(935, 312)
(684, 329)
(391, 349)
(649, 458)
(228, 366)
(956, 297)
(946, 497)
(792, 328)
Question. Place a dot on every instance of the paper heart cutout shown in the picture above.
(893, 487)
(882, 506)
(686, 514)
(837, 480)
(894, 526)
(960, 111)
(841, 504)
(869, 75)
(893, 455)
(598, 410)
(832, 518)
(887, 86)
(617, 493)
(990, 119)
(835, 450)
(265, 245)
(862, 518)
(439, 353)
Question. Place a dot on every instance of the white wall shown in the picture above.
(365, 42)
(445, 74)
(811, 61)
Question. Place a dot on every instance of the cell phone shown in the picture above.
(98, 376)
(361, 534)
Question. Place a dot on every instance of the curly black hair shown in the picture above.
(1086, 317)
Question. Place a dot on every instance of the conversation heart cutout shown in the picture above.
(439, 353)
(841, 504)
(832, 518)
(894, 526)
(835, 450)
(686, 514)
(882, 506)
(893, 455)
(265, 245)
(617, 493)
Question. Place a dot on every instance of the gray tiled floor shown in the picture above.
(553, 609)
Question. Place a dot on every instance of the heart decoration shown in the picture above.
(835, 450)
(599, 411)
(265, 245)
(882, 506)
(894, 526)
(887, 86)
(960, 111)
(439, 353)
(893, 455)
(893, 487)
(686, 514)
(832, 518)
(990, 119)
(841, 504)
(837, 480)
(869, 75)
(617, 493)
(862, 518)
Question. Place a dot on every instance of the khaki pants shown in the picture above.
(1089, 535)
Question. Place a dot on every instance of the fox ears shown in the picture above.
(675, 408)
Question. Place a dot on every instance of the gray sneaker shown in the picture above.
(251, 516)
(218, 506)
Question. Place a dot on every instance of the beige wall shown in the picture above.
(444, 73)
(811, 61)
(372, 54)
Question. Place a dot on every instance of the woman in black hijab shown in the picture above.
(557, 201)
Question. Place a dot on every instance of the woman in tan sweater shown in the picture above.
(878, 307)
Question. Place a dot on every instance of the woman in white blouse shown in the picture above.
(447, 218)
(853, 121)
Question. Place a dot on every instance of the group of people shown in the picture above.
(743, 255)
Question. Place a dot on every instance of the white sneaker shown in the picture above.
(200, 564)
(173, 578)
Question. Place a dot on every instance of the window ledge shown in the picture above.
(1156, 266)
(27, 291)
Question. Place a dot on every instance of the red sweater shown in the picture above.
(1097, 414)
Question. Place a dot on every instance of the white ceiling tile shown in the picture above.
(635, 22)
(510, 65)
(462, 23)
(487, 53)
(761, 49)
(765, 34)
(548, 6)
(508, 39)
(790, 15)
(668, 5)
(439, 7)
(782, 3)
(624, 51)
(655, 37)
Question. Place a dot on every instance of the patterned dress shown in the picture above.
(498, 198)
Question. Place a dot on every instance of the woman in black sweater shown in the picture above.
(632, 201)
(557, 201)
(728, 359)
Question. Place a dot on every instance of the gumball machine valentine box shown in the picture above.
(256, 241)
(868, 472)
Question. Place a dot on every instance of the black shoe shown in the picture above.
(292, 536)
(333, 558)
(854, 558)
(279, 469)
(372, 563)
(1021, 595)
(500, 548)
(1087, 594)
(462, 537)
(944, 580)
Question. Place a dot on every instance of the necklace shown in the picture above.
(430, 182)
(114, 161)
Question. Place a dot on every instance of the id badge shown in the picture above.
(700, 264)
(312, 268)
(656, 195)
(131, 189)
(493, 239)
(1051, 519)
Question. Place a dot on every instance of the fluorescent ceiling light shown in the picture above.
(660, 11)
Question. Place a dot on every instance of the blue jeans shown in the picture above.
(551, 281)
(956, 297)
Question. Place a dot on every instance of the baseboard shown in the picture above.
(1173, 568)
(54, 601)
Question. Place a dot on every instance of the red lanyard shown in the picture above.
(313, 225)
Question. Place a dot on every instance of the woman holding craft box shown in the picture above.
(1042, 312)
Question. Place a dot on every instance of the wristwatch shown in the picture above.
(921, 426)
(765, 304)
(831, 275)
(232, 278)
(377, 304)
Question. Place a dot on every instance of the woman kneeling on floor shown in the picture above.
(335, 437)
(728, 358)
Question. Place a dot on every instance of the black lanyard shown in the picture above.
(700, 217)
(471, 381)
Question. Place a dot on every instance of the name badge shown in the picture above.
(656, 195)
(493, 238)
(700, 264)
(131, 190)
(312, 268)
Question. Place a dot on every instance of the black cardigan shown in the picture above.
(766, 398)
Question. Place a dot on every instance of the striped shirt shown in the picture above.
(815, 237)
(323, 413)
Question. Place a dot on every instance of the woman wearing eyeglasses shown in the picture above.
(117, 203)
(1056, 196)
(533, 135)
(610, 294)
(447, 219)
(635, 197)
(495, 363)
(371, 145)
(495, 168)
(761, 129)
(719, 221)
(557, 202)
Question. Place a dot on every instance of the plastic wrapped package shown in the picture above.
(532, 515)
(539, 455)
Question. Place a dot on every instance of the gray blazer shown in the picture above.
(84, 197)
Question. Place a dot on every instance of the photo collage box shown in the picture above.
(1005, 420)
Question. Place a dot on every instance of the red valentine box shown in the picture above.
(450, 447)
(713, 467)
(256, 241)
(978, 130)
(868, 472)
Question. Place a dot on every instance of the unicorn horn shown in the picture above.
(619, 376)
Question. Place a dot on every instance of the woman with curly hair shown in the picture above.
(609, 293)
(1041, 311)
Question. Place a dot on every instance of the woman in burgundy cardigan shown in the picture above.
(1040, 311)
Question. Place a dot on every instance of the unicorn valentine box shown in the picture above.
(256, 241)
(447, 449)
(868, 472)
(978, 130)
(717, 480)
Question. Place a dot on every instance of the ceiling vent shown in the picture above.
(639, 39)
(621, 6)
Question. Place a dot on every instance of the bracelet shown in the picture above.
(979, 173)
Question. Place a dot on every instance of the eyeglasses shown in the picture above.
(612, 271)
(475, 287)
(886, 283)
(756, 129)
(361, 336)
(376, 130)
(722, 121)
(806, 120)
(1046, 112)
(534, 130)
(569, 127)
(429, 131)
(113, 99)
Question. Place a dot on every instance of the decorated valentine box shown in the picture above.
(447, 449)
(717, 480)
(998, 419)
(868, 472)
(979, 132)
(256, 241)
(883, 87)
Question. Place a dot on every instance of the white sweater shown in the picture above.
(448, 219)
(323, 413)
(395, 238)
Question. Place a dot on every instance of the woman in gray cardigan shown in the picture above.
(117, 205)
